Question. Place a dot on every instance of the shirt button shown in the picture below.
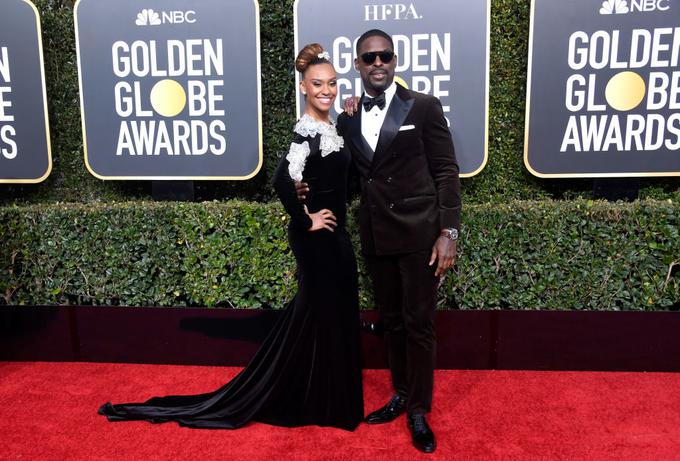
(389, 179)
(370, 180)
(391, 205)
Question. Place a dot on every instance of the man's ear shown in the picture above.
(356, 64)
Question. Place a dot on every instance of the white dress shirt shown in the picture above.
(372, 121)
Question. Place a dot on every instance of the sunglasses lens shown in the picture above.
(368, 58)
(385, 56)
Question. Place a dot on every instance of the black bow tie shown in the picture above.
(377, 101)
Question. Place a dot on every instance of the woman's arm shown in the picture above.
(284, 185)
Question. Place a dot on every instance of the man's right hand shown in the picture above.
(301, 189)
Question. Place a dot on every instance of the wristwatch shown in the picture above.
(450, 233)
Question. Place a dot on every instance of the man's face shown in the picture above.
(376, 75)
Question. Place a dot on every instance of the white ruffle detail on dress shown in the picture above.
(297, 157)
(330, 142)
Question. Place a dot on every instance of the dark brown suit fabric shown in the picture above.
(410, 190)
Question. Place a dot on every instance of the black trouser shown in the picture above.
(405, 291)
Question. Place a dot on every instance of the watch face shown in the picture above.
(450, 233)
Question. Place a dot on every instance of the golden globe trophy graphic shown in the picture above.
(168, 98)
(158, 92)
(603, 96)
(625, 91)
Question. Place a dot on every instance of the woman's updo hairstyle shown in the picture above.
(309, 56)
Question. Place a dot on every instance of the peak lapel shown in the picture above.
(396, 114)
(355, 136)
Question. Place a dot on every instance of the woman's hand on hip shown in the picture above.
(324, 219)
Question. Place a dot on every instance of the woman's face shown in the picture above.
(320, 87)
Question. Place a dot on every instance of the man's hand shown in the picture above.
(443, 251)
(301, 189)
(351, 105)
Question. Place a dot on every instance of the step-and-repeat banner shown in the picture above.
(24, 129)
(603, 93)
(170, 89)
(442, 48)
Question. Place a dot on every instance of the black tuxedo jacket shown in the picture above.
(409, 187)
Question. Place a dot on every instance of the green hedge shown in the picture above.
(520, 255)
(118, 249)
(503, 178)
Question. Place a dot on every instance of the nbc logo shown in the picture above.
(642, 6)
(148, 17)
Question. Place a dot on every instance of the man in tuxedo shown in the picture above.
(409, 217)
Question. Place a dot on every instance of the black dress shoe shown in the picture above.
(421, 434)
(395, 407)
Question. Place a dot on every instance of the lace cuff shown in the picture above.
(297, 157)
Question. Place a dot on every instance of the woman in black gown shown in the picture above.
(308, 369)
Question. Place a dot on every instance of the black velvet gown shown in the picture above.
(307, 371)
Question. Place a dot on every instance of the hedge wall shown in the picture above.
(504, 177)
(519, 255)
(520, 248)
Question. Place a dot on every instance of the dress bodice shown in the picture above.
(318, 157)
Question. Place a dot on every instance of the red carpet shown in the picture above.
(48, 412)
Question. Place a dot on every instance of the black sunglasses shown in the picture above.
(385, 56)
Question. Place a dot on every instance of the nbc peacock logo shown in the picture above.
(634, 6)
(614, 7)
(148, 17)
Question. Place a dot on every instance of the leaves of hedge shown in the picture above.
(519, 255)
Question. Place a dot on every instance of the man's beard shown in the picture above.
(378, 87)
